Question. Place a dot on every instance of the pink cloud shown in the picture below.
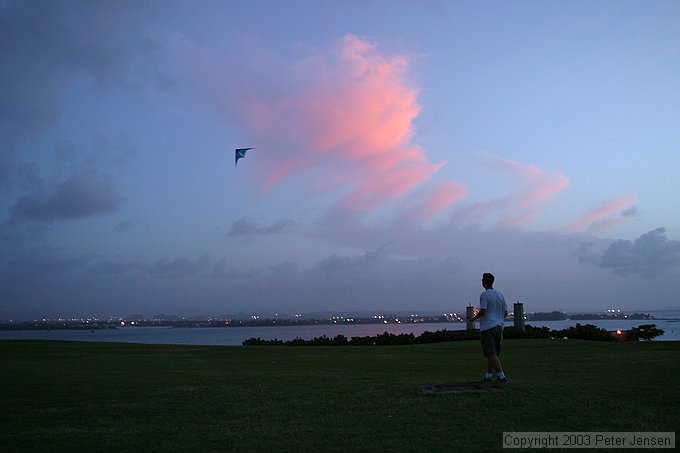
(479, 213)
(600, 219)
(436, 200)
(606, 224)
(534, 187)
(343, 116)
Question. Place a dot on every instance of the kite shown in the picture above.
(240, 153)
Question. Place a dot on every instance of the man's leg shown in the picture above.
(493, 363)
(489, 350)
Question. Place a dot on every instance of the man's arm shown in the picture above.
(481, 312)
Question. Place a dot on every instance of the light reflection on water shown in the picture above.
(234, 336)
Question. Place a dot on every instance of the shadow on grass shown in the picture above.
(458, 388)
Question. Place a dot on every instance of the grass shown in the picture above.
(68, 396)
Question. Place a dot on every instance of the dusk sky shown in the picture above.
(401, 150)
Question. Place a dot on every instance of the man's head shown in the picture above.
(487, 280)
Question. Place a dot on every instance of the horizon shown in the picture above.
(397, 153)
(324, 315)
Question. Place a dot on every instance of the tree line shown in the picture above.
(581, 332)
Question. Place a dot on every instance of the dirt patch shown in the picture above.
(457, 388)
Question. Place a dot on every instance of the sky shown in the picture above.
(401, 149)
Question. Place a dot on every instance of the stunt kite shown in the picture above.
(240, 153)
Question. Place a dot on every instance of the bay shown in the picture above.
(669, 321)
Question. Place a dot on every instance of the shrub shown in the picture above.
(581, 332)
(643, 332)
(529, 332)
(447, 335)
(584, 332)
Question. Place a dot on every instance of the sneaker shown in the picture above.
(486, 380)
(503, 380)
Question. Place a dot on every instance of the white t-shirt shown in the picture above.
(494, 304)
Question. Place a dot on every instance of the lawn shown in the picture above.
(69, 396)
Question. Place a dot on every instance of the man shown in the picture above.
(491, 314)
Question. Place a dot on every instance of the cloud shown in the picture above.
(46, 46)
(536, 185)
(361, 264)
(43, 44)
(633, 211)
(221, 271)
(650, 255)
(525, 202)
(437, 199)
(115, 266)
(376, 280)
(125, 225)
(417, 269)
(341, 120)
(13, 172)
(179, 267)
(42, 260)
(84, 193)
(285, 268)
(604, 217)
(244, 228)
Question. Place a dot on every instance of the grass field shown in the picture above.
(68, 396)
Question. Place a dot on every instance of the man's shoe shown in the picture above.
(486, 380)
(503, 380)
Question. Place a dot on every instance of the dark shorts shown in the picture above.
(491, 341)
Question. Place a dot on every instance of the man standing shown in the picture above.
(491, 314)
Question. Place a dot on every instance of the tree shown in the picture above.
(644, 332)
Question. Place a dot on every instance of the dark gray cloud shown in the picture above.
(17, 234)
(537, 269)
(650, 255)
(45, 44)
(125, 225)
(425, 269)
(369, 261)
(45, 259)
(223, 271)
(115, 266)
(179, 267)
(83, 194)
(42, 43)
(14, 173)
(245, 228)
(633, 211)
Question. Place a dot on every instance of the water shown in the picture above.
(225, 336)
(669, 321)
(666, 320)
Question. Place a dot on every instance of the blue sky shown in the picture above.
(401, 149)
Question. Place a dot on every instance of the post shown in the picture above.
(469, 313)
(518, 309)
